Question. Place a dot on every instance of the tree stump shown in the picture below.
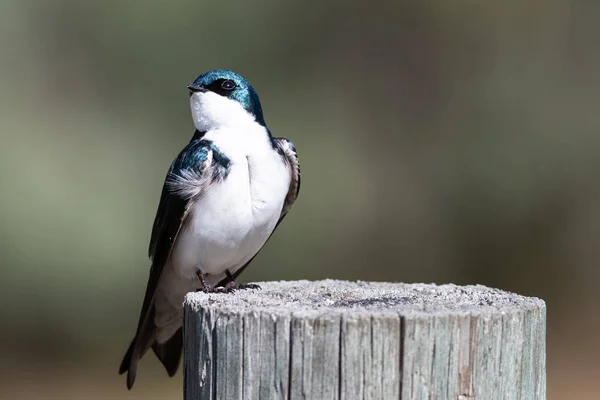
(364, 340)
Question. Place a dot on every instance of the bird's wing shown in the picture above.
(193, 170)
(286, 148)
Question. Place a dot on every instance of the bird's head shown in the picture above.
(220, 97)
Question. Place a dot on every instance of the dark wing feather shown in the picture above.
(288, 151)
(169, 353)
(171, 215)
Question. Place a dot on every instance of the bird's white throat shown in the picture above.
(211, 111)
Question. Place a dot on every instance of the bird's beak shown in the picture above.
(194, 87)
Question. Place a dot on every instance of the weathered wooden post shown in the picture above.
(365, 340)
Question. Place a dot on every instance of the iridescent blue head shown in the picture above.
(216, 95)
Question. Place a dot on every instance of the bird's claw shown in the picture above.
(231, 286)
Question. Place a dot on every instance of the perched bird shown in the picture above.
(223, 197)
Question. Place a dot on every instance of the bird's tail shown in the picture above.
(169, 354)
(138, 347)
(126, 363)
(129, 364)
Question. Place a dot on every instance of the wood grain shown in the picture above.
(364, 340)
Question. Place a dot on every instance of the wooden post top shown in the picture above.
(334, 296)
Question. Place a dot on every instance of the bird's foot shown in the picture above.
(212, 289)
(206, 288)
(231, 286)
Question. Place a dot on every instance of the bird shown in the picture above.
(223, 197)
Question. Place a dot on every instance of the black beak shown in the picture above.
(194, 87)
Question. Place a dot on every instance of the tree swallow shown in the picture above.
(223, 197)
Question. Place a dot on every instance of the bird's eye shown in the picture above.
(228, 84)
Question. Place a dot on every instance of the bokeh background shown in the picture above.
(440, 141)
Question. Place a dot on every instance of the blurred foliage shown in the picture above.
(439, 142)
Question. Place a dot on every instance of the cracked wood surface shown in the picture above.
(364, 340)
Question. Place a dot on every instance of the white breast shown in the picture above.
(233, 220)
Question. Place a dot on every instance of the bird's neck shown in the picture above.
(198, 135)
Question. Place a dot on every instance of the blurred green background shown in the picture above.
(439, 142)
